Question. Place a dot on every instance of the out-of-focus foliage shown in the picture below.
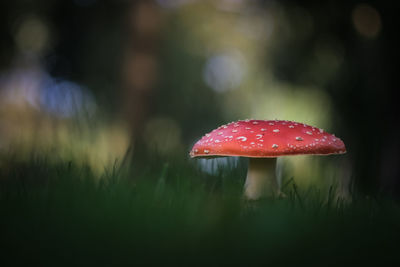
(85, 79)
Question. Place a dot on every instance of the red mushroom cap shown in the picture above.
(267, 138)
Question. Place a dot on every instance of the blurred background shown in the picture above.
(85, 80)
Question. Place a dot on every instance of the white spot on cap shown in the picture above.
(271, 123)
(217, 141)
(220, 133)
(208, 135)
(263, 129)
(258, 136)
(274, 146)
(309, 133)
(252, 143)
(196, 150)
(206, 151)
(321, 131)
(241, 138)
(291, 126)
(276, 130)
(247, 128)
(234, 131)
(255, 122)
(298, 138)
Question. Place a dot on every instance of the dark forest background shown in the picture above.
(133, 68)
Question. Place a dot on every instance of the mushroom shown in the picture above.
(262, 141)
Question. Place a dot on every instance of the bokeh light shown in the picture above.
(367, 20)
(66, 99)
(32, 35)
(225, 71)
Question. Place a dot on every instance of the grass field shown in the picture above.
(158, 213)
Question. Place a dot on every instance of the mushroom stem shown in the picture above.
(261, 180)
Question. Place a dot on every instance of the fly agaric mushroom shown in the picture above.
(262, 141)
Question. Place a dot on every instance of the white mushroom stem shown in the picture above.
(261, 179)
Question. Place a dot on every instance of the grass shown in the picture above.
(157, 213)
